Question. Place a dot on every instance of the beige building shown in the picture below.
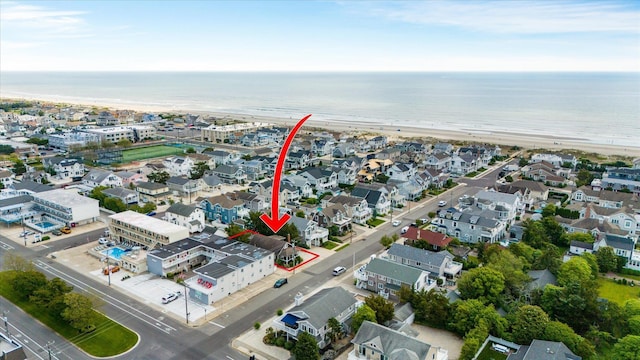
(133, 228)
(218, 134)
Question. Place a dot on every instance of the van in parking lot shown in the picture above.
(171, 297)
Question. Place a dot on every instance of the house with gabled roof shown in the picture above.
(438, 161)
(401, 171)
(252, 202)
(6, 178)
(471, 227)
(443, 147)
(312, 315)
(126, 195)
(99, 177)
(437, 240)
(65, 168)
(310, 232)
(129, 177)
(357, 208)
(343, 150)
(346, 176)
(543, 349)
(438, 264)
(184, 186)
(374, 342)
(376, 200)
(333, 215)
(386, 277)
(322, 180)
(220, 157)
(221, 208)
(229, 174)
(178, 165)
(322, 147)
(188, 216)
(297, 159)
(378, 142)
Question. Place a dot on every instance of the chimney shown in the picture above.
(298, 299)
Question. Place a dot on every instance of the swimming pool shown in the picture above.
(45, 225)
(114, 252)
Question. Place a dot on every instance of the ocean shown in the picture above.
(602, 108)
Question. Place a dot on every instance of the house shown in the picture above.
(343, 150)
(220, 157)
(545, 172)
(202, 158)
(178, 165)
(322, 147)
(252, 202)
(543, 349)
(97, 177)
(410, 189)
(346, 176)
(254, 169)
(187, 216)
(438, 161)
(378, 142)
(297, 160)
(312, 315)
(627, 179)
(6, 178)
(434, 178)
(580, 247)
(64, 168)
(471, 227)
(356, 208)
(392, 154)
(443, 148)
(556, 160)
(229, 174)
(221, 208)
(334, 215)
(540, 279)
(376, 200)
(152, 192)
(400, 171)
(377, 342)
(184, 186)
(322, 180)
(129, 178)
(310, 232)
(210, 182)
(438, 241)
(386, 277)
(126, 195)
(464, 163)
(438, 264)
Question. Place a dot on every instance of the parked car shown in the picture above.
(151, 213)
(424, 221)
(280, 282)
(26, 233)
(339, 270)
(442, 203)
(110, 269)
(404, 230)
(65, 230)
(396, 223)
(171, 297)
(56, 232)
(103, 241)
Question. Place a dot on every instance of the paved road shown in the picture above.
(163, 337)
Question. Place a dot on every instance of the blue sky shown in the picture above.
(320, 35)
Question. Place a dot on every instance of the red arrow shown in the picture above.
(275, 222)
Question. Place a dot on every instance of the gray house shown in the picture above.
(438, 264)
(312, 315)
(127, 196)
(386, 277)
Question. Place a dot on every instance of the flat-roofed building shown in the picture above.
(133, 228)
(133, 133)
(62, 207)
(218, 134)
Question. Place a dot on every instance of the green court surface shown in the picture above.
(150, 152)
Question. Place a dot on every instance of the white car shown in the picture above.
(339, 270)
(103, 241)
(396, 223)
(404, 230)
(171, 297)
(442, 203)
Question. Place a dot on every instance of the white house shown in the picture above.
(97, 177)
(187, 216)
(178, 165)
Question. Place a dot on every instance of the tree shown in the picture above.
(593, 263)
(578, 236)
(115, 204)
(13, 261)
(523, 162)
(51, 295)
(234, 229)
(386, 241)
(125, 143)
(19, 168)
(584, 177)
(78, 312)
(557, 331)
(198, 170)
(512, 268)
(563, 303)
(382, 308)
(362, 314)
(465, 315)
(607, 259)
(190, 150)
(534, 234)
(555, 232)
(483, 283)
(576, 270)
(529, 323)
(306, 347)
(627, 348)
(335, 329)
(431, 307)
(300, 214)
(160, 177)
(549, 211)
(25, 283)
(6, 149)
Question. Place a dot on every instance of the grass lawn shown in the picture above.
(342, 247)
(108, 339)
(489, 354)
(375, 222)
(329, 245)
(150, 152)
(617, 293)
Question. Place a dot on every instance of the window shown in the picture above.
(380, 286)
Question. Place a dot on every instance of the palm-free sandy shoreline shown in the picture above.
(503, 138)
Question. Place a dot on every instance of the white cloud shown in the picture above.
(40, 20)
(522, 17)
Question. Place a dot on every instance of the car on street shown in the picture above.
(171, 297)
(280, 282)
(339, 270)
(404, 230)
(442, 203)
(396, 223)
(65, 230)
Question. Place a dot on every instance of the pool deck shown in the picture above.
(12, 233)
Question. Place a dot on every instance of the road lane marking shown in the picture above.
(216, 324)
(6, 246)
(138, 314)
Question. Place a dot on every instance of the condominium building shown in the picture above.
(133, 228)
(59, 207)
(218, 134)
(133, 133)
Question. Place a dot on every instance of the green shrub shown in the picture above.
(288, 345)
(279, 312)
(280, 342)
(256, 325)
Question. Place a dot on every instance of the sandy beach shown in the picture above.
(502, 138)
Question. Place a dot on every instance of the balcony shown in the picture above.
(361, 274)
(453, 268)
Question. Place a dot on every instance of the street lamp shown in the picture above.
(186, 302)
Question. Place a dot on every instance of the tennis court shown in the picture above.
(150, 152)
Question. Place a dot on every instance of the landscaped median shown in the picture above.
(107, 339)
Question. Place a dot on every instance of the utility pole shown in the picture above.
(6, 322)
(108, 268)
(186, 302)
(49, 343)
